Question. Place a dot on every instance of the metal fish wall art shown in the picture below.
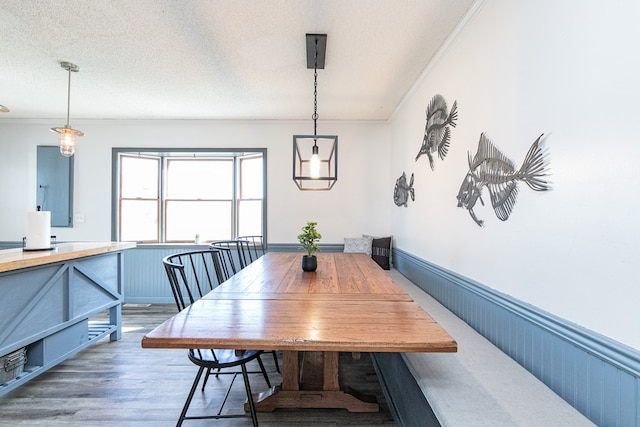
(436, 133)
(403, 191)
(492, 169)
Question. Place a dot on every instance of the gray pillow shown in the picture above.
(358, 245)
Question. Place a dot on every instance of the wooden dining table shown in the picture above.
(349, 304)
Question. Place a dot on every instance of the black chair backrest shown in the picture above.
(228, 260)
(193, 274)
(235, 252)
(255, 246)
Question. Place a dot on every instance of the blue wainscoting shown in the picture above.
(596, 375)
(145, 281)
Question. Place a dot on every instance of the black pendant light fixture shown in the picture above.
(315, 157)
(67, 133)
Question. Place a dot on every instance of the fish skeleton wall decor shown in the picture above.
(494, 170)
(436, 132)
(402, 191)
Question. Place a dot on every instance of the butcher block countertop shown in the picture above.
(15, 259)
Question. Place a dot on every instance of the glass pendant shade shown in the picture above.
(67, 140)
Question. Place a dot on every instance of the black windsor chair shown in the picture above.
(236, 255)
(192, 275)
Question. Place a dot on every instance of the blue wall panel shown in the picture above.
(145, 281)
(598, 376)
(628, 390)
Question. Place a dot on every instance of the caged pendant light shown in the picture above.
(315, 157)
(67, 133)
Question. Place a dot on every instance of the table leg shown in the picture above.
(312, 383)
(290, 370)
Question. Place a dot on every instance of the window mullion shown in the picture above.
(162, 196)
(234, 202)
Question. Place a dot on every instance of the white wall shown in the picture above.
(357, 204)
(568, 69)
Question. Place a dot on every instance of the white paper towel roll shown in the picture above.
(38, 230)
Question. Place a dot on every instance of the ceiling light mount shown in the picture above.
(69, 66)
(67, 133)
(316, 51)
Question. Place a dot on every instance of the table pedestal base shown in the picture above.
(311, 381)
(276, 398)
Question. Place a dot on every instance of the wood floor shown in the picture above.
(121, 384)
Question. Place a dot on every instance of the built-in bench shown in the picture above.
(477, 386)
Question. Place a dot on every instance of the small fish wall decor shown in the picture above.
(492, 169)
(436, 133)
(403, 191)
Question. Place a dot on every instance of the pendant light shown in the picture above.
(315, 157)
(67, 133)
(4, 109)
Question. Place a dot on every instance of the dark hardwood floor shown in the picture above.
(121, 384)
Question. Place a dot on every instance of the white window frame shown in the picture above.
(196, 153)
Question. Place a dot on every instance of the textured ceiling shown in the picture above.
(218, 59)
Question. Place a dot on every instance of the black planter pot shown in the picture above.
(309, 263)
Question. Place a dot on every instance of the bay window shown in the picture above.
(169, 197)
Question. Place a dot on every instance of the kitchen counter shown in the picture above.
(14, 259)
(54, 303)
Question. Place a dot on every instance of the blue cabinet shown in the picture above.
(50, 309)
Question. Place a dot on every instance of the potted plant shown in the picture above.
(309, 239)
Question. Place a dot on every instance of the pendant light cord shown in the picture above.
(315, 90)
(68, 95)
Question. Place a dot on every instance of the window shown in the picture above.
(139, 198)
(250, 203)
(206, 207)
(171, 196)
